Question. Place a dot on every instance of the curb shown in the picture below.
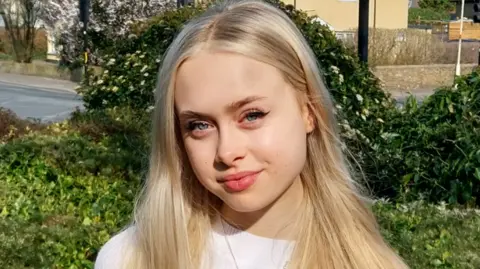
(41, 88)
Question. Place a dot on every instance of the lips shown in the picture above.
(240, 181)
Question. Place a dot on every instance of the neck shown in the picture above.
(276, 220)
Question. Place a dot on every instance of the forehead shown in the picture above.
(210, 79)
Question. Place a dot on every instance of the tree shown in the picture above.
(21, 19)
(109, 20)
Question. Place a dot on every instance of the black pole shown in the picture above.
(85, 49)
(478, 64)
(364, 6)
(84, 18)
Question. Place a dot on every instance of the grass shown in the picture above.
(414, 47)
(66, 188)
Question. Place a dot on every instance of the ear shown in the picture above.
(308, 118)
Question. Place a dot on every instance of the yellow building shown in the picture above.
(342, 15)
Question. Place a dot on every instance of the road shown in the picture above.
(47, 100)
(51, 100)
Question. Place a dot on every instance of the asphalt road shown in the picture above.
(42, 102)
(51, 100)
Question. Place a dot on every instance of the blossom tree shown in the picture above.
(109, 20)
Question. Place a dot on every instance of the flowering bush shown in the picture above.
(109, 20)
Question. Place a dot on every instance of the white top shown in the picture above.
(250, 251)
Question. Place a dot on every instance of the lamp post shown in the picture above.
(459, 51)
(84, 18)
(363, 9)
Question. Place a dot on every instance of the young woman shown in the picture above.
(246, 168)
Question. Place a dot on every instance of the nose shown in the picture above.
(231, 147)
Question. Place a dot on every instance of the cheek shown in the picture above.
(201, 157)
(283, 145)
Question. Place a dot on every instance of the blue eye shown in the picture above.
(252, 116)
(195, 125)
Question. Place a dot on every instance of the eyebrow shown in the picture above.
(245, 101)
(230, 108)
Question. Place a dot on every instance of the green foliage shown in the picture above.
(65, 190)
(131, 65)
(427, 14)
(434, 148)
(437, 5)
(428, 236)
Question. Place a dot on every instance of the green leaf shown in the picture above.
(477, 173)
(87, 221)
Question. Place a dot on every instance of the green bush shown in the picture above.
(434, 148)
(429, 236)
(438, 5)
(66, 189)
(426, 14)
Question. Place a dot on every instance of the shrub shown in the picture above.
(437, 5)
(64, 190)
(426, 14)
(429, 236)
(12, 127)
(433, 148)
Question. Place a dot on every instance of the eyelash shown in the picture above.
(192, 125)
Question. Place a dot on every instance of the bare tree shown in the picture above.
(21, 18)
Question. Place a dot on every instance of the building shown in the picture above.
(342, 15)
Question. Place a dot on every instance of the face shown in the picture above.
(243, 129)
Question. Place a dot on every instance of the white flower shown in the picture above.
(111, 62)
(335, 69)
(359, 97)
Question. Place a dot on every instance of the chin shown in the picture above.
(246, 203)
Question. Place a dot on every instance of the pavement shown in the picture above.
(419, 94)
(45, 99)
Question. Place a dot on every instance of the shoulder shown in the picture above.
(111, 254)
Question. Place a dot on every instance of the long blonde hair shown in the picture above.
(174, 215)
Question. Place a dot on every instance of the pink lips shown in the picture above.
(240, 181)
